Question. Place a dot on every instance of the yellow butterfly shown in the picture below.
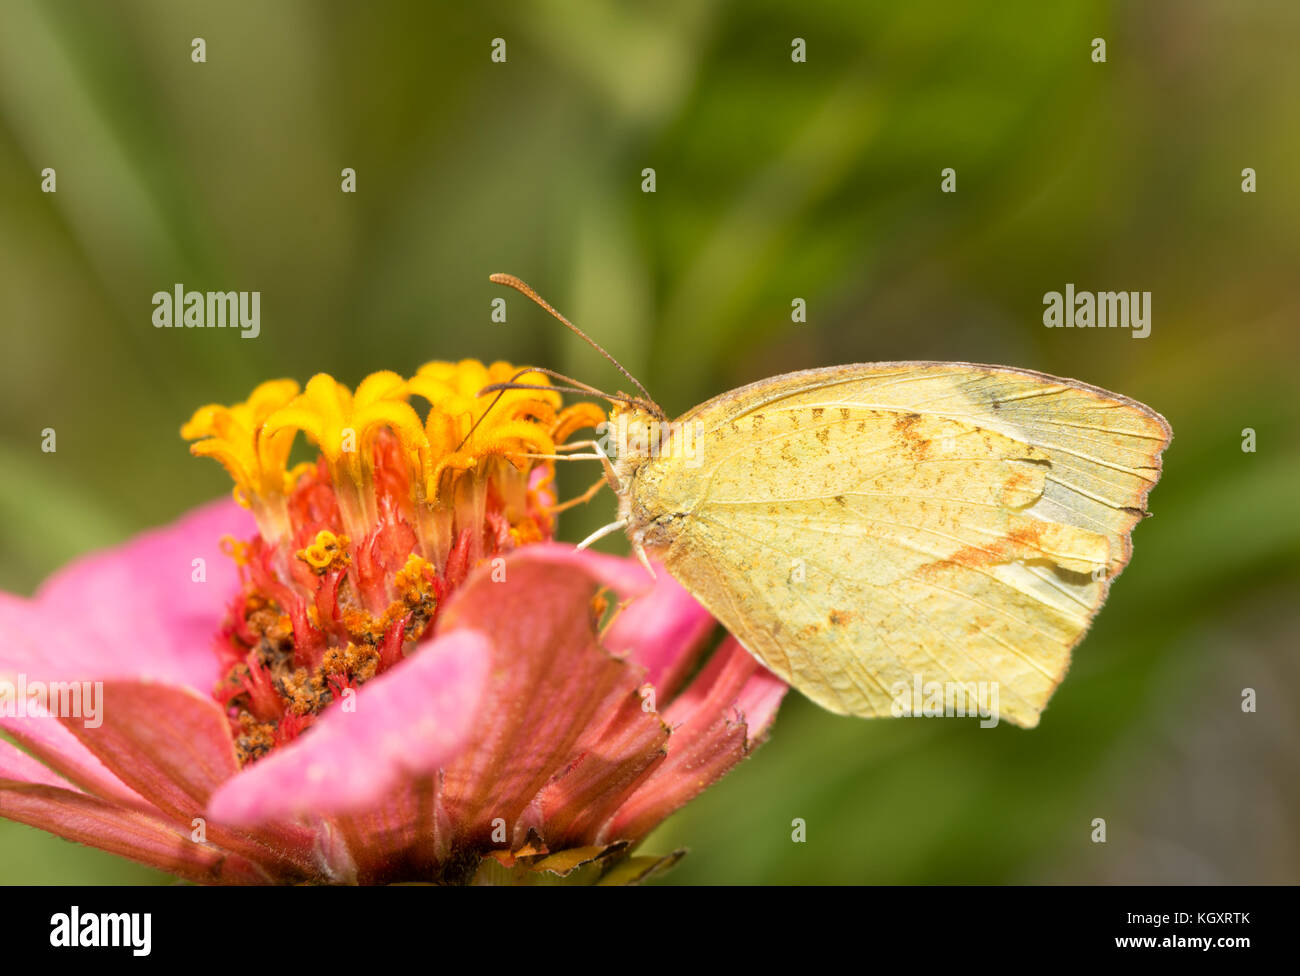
(862, 528)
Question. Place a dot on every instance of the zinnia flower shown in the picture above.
(373, 667)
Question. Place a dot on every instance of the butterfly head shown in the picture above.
(645, 448)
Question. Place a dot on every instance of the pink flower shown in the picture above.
(386, 684)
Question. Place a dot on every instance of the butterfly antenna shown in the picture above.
(615, 397)
(501, 391)
(513, 384)
(521, 286)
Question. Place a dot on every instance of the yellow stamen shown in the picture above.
(235, 549)
(519, 421)
(255, 459)
(575, 418)
(233, 435)
(467, 453)
(343, 426)
(329, 551)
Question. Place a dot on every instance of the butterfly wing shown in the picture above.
(868, 530)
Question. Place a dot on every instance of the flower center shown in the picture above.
(357, 550)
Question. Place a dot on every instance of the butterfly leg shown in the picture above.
(611, 478)
(602, 532)
(636, 546)
(582, 499)
(644, 559)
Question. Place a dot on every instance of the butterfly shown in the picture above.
(862, 528)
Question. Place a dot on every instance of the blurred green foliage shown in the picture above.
(775, 180)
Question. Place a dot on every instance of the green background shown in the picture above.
(775, 180)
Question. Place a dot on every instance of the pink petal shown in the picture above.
(122, 831)
(408, 722)
(663, 631)
(171, 745)
(388, 839)
(46, 739)
(613, 757)
(32, 794)
(710, 735)
(624, 576)
(719, 690)
(134, 611)
(17, 766)
(758, 702)
(550, 681)
(27, 647)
